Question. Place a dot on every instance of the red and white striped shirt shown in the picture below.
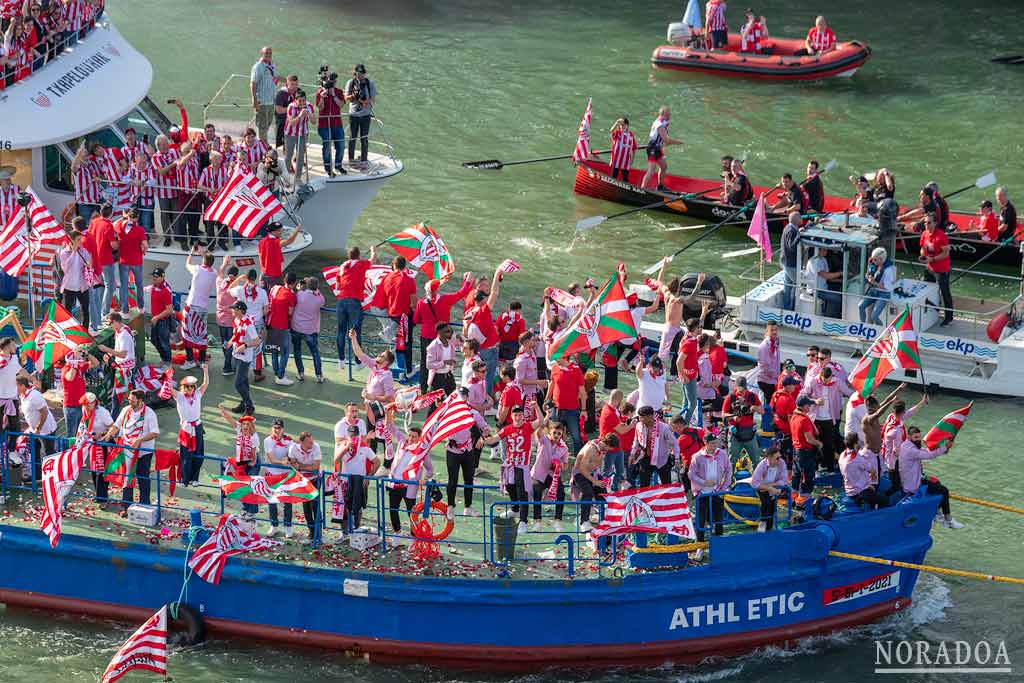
(165, 190)
(10, 8)
(230, 153)
(751, 37)
(188, 173)
(87, 186)
(293, 126)
(132, 152)
(821, 40)
(214, 178)
(253, 154)
(123, 191)
(715, 16)
(203, 145)
(623, 148)
(8, 202)
(145, 180)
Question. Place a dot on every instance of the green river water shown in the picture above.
(461, 80)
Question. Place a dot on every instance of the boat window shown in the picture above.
(58, 170)
(856, 262)
(142, 126)
(154, 114)
(105, 136)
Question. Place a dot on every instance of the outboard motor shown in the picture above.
(678, 33)
(711, 290)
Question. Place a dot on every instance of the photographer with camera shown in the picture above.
(360, 93)
(329, 127)
(271, 173)
(740, 407)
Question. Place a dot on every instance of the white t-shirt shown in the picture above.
(204, 280)
(33, 407)
(306, 458)
(124, 341)
(854, 415)
(356, 464)
(818, 264)
(101, 422)
(467, 371)
(247, 353)
(277, 454)
(652, 390)
(9, 378)
(128, 421)
(254, 304)
(189, 408)
(342, 425)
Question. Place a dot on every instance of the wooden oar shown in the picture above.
(708, 233)
(996, 246)
(497, 164)
(987, 180)
(1008, 59)
(594, 221)
(741, 252)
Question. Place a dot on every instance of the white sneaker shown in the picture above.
(341, 363)
(238, 248)
(699, 555)
(188, 365)
(952, 523)
(271, 531)
(507, 514)
(340, 538)
(470, 512)
(285, 381)
(761, 527)
(289, 532)
(494, 455)
(450, 514)
(558, 527)
(585, 527)
(534, 526)
(521, 529)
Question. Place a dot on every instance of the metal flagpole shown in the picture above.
(25, 200)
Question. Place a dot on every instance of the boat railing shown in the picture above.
(56, 46)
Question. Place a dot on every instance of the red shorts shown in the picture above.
(658, 155)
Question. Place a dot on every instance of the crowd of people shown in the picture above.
(37, 31)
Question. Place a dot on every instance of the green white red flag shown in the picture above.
(947, 428)
(424, 249)
(285, 487)
(895, 349)
(606, 320)
(57, 335)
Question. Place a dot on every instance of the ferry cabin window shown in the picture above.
(105, 136)
(154, 114)
(21, 159)
(58, 170)
(142, 126)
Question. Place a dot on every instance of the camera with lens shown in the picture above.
(741, 409)
(328, 79)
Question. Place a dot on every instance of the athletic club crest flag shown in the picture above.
(606, 320)
(654, 509)
(230, 538)
(56, 336)
(19, 241)
(424, 249)
(895, 349)
(244, 204)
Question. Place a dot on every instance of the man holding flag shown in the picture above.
(913, 453)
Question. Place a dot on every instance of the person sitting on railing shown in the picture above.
(361, 94)
(95, 422)
(860, 470)
(136, 428)
(380, 385)
(462, 454)
(880, 278)
(276, 447)
(769, 478)
(191, 435)
(353, 460)
(247, 451)
(517, 442)
(548, 474)
(38, 420)
(586, 472)
(913, 453)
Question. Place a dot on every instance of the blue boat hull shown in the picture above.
(761, 589)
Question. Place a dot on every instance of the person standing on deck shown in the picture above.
(165, 163)
(351, 286)
(824, 390)
(282, 99)
(88, 177)
(39, 421)
(121, 356)
(305, 327)
(329, 125)
(439, 363)
(880, 278)
(805, 445)
(271, 251)
(739, 407)
(400, 300)
(72, 375)
(9, 191)
(380, 385)
(305, 456)
(546, 475)
(871, 424)
(191, 435)
(211, 181)
(510, 325)
(96, 420)
(814, 188)
(276, 447)
(361, 94)
(715, 24)
(225, 318)
(912, 454)
(526, 365)
(687, 366)
(710, 474)
(296, 133)
(655, 448)
(658, 139)
(137, 428)
(674, 300)
(586, 469)
(894, 433)
(257, 303)
(243, 343)
(517, 443)
(769, 361)
(433, 310)
(195, 332)
(623, 148)
(247, 451)
(161, 313)
(935, 256)
(279, 321)
(462, 455)
(263, 80)
(132, 245)
(567, 391)
(76, 283)
(478, 324)
(101, 240)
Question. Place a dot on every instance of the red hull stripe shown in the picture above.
(487, 657)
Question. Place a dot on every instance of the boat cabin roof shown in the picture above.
(828, 233)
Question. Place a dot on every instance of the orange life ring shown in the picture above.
(440, 508)
(67, 215)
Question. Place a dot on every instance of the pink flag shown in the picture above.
(758, 230)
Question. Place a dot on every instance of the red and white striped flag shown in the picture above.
(654, 509)
(230, 538)
(149, 378)
(427, 400)
(451, 417)
(59, 474)
(509, 266)
(244, 204)
(373, 296)
(582, 151)
(19, 242)
(146, 649)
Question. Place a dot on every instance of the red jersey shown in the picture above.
(282, 301)
(623, 148)
(511, 396)
(251, 155)
(566, 381)
(714, 17)
(752, 37)
(931, 244)
(215, 179)
(783, 406)
(352, 279)
(160, 298)
(144, 181)
(430, 312)
(609, 419)
(271, 256)
(74, 389)
(294, 126)
(482, 318)
(98, 238)
(517, 442)
(692, 350)
(87, 186)
(188, 174)
(800, 424)
(989, 225)
(719, 358)
(399, 289)
(690, 442)
(510, 326)
(821, 40)
(132, 238)
(751, 399)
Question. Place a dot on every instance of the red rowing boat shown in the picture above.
(699, 199)
(781, 64)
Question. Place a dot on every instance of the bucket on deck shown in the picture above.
(505, 533)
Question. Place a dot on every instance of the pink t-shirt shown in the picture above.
(224, 303)
(306, 315)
